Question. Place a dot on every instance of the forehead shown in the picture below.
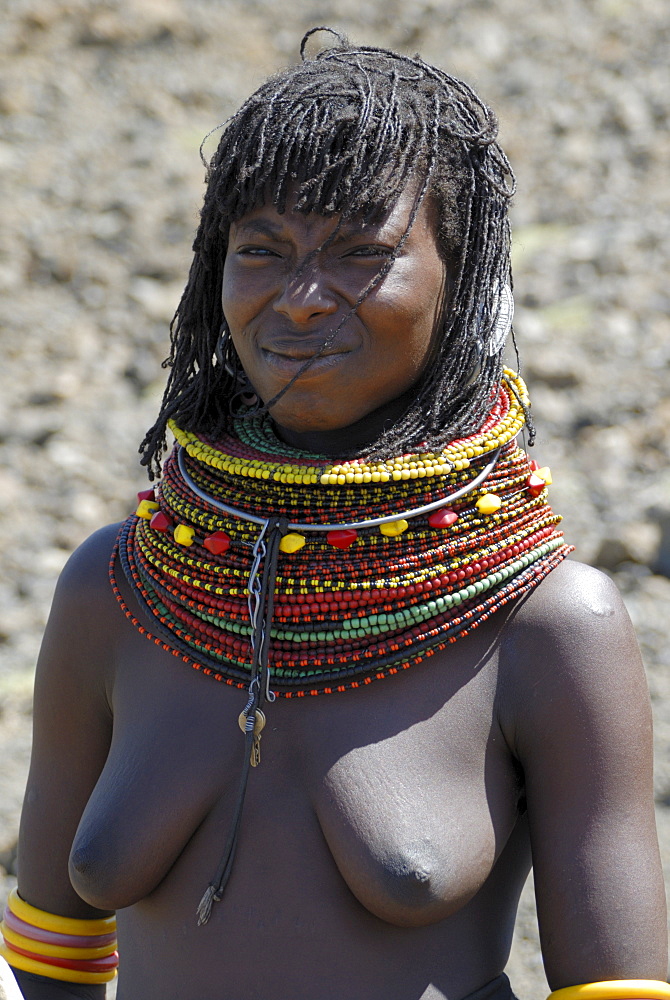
(391, 225)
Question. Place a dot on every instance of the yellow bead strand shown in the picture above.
(456, 457)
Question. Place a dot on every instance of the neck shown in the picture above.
(343, 441)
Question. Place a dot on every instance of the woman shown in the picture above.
(347, 512)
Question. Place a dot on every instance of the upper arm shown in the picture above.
(71, 725)
(580, 725)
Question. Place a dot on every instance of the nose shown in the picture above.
(305, 296)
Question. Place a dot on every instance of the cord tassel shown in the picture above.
(215, 889)
(205, 905)
(258, 691)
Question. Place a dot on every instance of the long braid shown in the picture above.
(345, 133)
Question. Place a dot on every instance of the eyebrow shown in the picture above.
(368, 234)
(260, 227)
(274, 231)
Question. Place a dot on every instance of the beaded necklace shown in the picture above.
(362, 576)
(282, 573)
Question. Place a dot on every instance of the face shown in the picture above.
(284, 293)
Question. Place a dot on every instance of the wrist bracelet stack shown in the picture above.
(615, 989)
(74, 951)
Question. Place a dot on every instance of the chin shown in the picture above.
(307, 416)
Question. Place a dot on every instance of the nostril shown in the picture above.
(305, 301)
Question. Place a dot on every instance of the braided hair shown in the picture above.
(345, 133)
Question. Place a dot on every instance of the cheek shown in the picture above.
(407, 312)
(244, 293)
(232, 299)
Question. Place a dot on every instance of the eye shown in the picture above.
(374, 250)
(255, 251)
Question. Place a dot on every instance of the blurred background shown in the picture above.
(103, 106)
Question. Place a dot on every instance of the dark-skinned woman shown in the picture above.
(334, 683)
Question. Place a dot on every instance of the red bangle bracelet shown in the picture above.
(108, 964)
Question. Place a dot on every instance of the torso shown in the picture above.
(382, 846)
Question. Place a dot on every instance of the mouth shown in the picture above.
(288, 361)
(287, 355)
(303, 348)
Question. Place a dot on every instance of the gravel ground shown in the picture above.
(103, 107)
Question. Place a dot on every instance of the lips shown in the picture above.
(287, 365)
(302, 349)
(300, 355)
(285, 354)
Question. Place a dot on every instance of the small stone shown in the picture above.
(611, 553)
(661, 561)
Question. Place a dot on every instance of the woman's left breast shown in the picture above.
(415, 838)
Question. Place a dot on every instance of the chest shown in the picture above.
(404, 792)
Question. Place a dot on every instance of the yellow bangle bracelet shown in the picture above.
(53, 971)
(616, 989)
(54, 950)
(52, 922)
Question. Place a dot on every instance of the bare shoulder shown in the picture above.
(87, 569)
(83, 592)
(85, 617)
(569, 652)
(572, 595)
(576, 607)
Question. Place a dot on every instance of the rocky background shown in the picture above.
(103, 106)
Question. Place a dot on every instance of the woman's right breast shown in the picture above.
(174, 757)
(142, 813)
